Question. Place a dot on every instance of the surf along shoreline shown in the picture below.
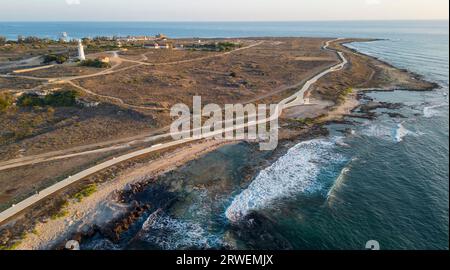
(83, 219)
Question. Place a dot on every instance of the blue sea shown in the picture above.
(388, 181)
(367, 29)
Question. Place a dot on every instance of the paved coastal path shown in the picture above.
(295, 100)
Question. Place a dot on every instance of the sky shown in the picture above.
(222, 10)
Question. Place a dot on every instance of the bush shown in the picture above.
(343, 95)
(221, 46)
(61, 99)
(60, 214)
(2, 40)
(95, 63)
(226, 46)
(11, 246)
(58, 58)
(6, 101)
(86, 192)
(305, 121)
(30, 100)
(57, 99)
(29, 40)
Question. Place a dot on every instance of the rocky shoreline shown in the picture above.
(366, 109)
(117, 229)
(292, 133)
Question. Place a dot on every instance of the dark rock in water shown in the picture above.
(363, 96)
(369, 115)
(341, 122)
(258, 231)
(132, 189)
(114, 230)
(396, 115)
(371, 106)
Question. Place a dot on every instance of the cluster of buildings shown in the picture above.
(159, 45)
(158, 37)
(160, 41)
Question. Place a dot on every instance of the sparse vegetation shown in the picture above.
(305, 121)
(227, 46)
(2, 40)
(86, 192)
(63, 212)
(60, 214)
(6, 101)
(219, 46)
(56, 99)
(95, 63)
(343, 95)
(58, 58)
(12, 246)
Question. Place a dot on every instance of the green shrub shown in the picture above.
(6, 101)
(306, 121)
(86, 192)
(343, 95)
(220, 46)
(61, 99)
(95, 63)
(58, 58)
(12, 246)
(56, 99)
(226, 46)
(348, 91)
(62, 213)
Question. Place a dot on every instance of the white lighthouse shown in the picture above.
(81, 51)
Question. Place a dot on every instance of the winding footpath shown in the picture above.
(295, 100)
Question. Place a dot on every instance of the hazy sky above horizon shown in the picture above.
(219, 10)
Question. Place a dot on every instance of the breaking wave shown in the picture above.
(294, 173)
(388, 132)
(169, 233)
(400, 133)
(339, 181)
(432, 111)
(101, 244)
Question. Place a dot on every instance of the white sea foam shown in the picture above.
(339, 181)
(432, 111)
(401, 132)
(294, 173)
(377, 130)
(101, 244)
(173, 234)
(388, 132)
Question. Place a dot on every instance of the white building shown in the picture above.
(63, 37)
(81, 55)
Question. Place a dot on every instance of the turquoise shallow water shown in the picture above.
(388, 182)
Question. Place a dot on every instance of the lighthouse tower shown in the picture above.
(81, 51)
